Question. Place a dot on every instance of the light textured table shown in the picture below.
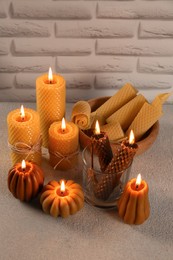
(27, 233)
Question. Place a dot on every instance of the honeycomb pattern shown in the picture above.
(51, 100)
(23, 134)
(125, 94)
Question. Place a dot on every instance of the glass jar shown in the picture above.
(102, 189)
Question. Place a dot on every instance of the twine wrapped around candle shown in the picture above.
(67, 158)
(24, 151)
(24, 130)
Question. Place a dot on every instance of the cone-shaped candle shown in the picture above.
(133, 206)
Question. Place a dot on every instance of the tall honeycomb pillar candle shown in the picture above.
(50, 97)
(63, 145)
(24, 136)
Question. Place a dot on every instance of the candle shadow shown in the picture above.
(159, 225)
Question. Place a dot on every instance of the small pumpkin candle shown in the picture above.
(133, 206)
(63, 144)
(62, 198)
(25, 180)
(24, 135)
(50, 97)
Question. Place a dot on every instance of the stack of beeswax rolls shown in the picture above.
(124, 111)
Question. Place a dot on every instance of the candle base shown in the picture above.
(63, 162)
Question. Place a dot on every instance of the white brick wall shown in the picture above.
(96, 45)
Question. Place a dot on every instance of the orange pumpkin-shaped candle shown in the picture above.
(133, 206)
(25, 180)
(62, 198)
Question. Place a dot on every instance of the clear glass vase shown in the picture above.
(102, 189)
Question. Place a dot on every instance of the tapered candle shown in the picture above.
(63, 144)
(133, 206)
(50, 97)
(24, 135)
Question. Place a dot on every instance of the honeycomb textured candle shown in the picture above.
(63, 146)
(50, 102)
(24, 136)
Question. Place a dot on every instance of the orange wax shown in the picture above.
(51, 97)
(57, 203)
(63, 144)
(133, 206)
(24, 133)
(25, 183)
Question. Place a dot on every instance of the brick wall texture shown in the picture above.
(96, 45)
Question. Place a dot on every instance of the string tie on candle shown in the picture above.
(23, 148)
(63, 157)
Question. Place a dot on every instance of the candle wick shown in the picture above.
(137, 186)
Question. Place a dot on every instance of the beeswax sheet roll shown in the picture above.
(125, 94)
(126, 114)
(113, 131)
(145, 119)
(81, 113)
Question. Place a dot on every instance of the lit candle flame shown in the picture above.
(62, 187)
(63, 125)
(138, 180)
(131, 137)
(22, 112)
(97, 128)
(50, 75)
(23, 165)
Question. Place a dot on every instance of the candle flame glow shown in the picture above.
(22, 112)
(138, 180)
(63, 124)
(97, 128)
(131, 137)
(50, 75)
(62, 187)
(23, 165)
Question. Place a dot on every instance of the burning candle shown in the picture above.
(101, 147)
(63, 144)
(62, 198)
(50, 97)
(25, 180)
(24, 136)
(133, 206)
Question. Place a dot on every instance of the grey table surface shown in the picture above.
(28, 233)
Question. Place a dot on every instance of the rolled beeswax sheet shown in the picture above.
(81, 113)
(160, 100)
(113, 130)
(50, 99)
(126, 114)
(146, 118)
(125, 94)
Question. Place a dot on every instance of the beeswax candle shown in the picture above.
(50, 97)
(62, 198)
(25, 180)
(63, 144)
(133, 205)
(24, 135)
